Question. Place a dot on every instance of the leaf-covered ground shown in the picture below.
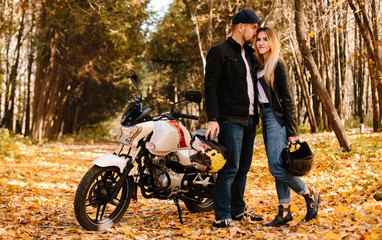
(38, 182)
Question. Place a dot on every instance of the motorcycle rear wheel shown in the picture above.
(93, 207)
(206, 205)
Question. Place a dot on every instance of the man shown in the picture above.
(232, 115)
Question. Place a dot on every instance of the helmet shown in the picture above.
(209, 155)
(300, 161)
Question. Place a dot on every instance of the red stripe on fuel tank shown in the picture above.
(182, 140)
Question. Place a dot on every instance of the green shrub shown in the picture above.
(5, 142)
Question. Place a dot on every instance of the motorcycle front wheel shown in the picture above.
(93, 206)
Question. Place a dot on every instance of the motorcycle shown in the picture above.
(156, 160)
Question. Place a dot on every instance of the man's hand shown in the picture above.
(293, 139)
(212, 127)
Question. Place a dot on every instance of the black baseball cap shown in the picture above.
(246, 16)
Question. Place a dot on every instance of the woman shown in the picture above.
(278, 115)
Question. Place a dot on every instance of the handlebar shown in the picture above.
(189, 116)
(175, 113)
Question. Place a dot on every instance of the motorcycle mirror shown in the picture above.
(133, 75)
(194, 96)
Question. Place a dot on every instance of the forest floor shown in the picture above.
(38, 183)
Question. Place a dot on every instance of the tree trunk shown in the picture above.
(375, 18)
(42, 83)
(343, 40)
(358, 79)
(337, 70)
(10, 97)
(227, 8)
(326, 69)
(340, 59)
(322, 52)
(325, 98)
(375, 65)
(51, 87)
(28, 100)
(304, 91)
(196, 28)
(8, 34)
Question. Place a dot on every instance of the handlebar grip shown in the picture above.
(189, 116)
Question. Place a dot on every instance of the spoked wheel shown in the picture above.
(93, 206)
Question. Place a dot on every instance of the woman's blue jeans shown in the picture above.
(231, 180)
(275, 140)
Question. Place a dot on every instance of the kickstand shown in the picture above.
(176, 201)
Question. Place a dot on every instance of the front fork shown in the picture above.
(119, 150)
(125, 174)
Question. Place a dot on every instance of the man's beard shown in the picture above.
(250, 41)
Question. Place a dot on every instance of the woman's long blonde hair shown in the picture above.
(275, 55)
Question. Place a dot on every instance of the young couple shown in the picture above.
(238, 81)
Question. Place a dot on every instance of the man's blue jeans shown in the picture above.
(275, 140)
(231, 180)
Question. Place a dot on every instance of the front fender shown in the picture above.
(111, 160)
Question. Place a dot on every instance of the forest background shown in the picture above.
(63, 75)
(64, 63)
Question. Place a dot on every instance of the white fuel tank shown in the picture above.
(169, 136)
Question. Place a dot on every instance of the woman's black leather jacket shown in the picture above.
(280, 99)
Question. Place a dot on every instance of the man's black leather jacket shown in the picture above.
(226, 90)
(281, 100)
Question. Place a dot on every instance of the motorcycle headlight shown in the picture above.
(129, 133)
(113, 132)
